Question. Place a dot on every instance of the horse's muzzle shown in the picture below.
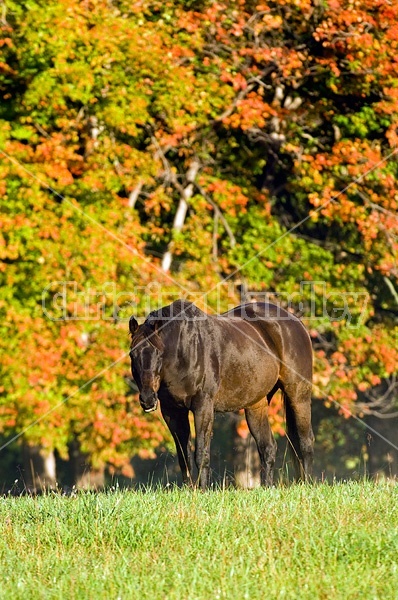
(149, 403)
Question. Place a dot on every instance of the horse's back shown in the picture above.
(280, 329)
(264, 310)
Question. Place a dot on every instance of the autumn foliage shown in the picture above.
(290, 108)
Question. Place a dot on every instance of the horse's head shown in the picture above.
(146, 354)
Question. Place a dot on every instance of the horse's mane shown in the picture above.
(146, 332)
(178, 310)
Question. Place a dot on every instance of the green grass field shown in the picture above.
(318, 541)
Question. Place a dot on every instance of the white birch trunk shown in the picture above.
(40, 468)
(179, 218)
(133, 197)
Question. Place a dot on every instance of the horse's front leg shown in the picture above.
(177, 421)
(203, 411)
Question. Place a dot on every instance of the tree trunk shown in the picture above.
(246, 461)
(39, 468)
(134, 195)
(84, 475)
(383, 456)
(179, 218)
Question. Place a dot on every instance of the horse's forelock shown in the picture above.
(147, 333)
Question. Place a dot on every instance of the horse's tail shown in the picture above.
(292, 434)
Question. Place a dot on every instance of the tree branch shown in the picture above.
(219, 214)
(234, 104)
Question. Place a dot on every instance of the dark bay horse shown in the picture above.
(191, 361)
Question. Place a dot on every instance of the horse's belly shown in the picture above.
(245, 385)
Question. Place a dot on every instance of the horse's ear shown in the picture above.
(133, 325)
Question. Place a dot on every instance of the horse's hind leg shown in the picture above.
(257, 420)
(297, 398)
